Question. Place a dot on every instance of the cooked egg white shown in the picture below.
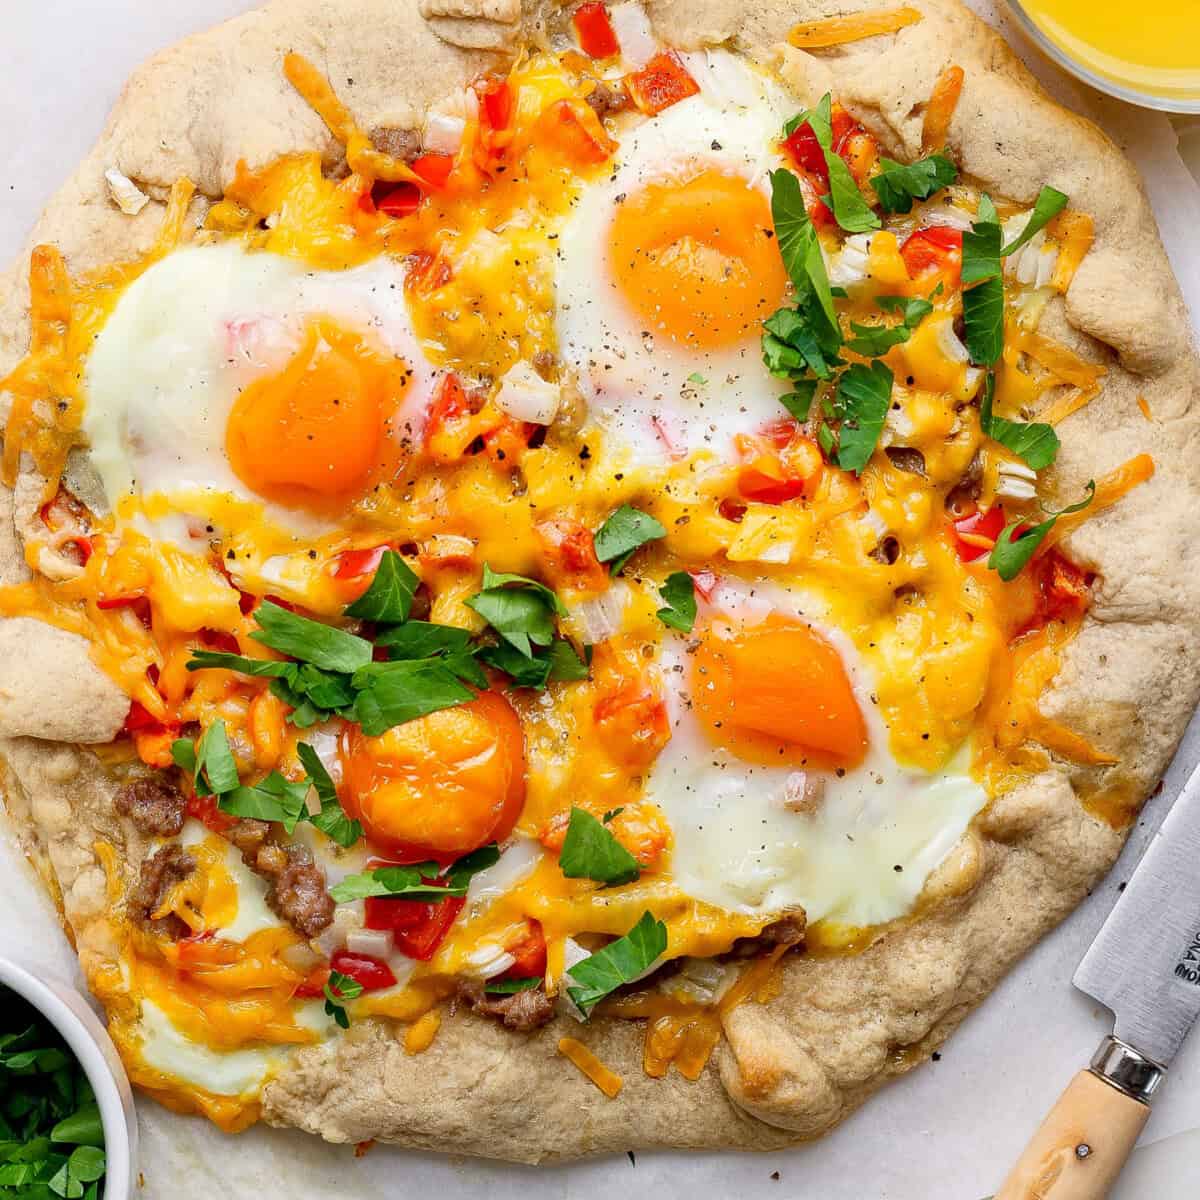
(192, 333)
(860, 859)
(659, 390)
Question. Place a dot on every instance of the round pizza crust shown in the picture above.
(839, 1027)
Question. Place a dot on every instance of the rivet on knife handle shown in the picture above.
(1082, 1145)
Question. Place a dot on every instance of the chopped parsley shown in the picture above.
(624, 532)
(510, 987)
(51, 1138)
(339, 989)
(520, 610)
(590, 851)
(679, 602)
(1049, 203)
(897, 185)
(413, 882)
(388, 599)
(863, 395)
(620, 962)
(850, 209)
(1014, 549)
(1035, 443)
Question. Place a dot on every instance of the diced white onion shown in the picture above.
(1047, 261)
(1030, 305)
(949, 343)
(489, 961)
(600, 617)
(721, 77)
(946, 215)
(443, 133)
(347, 919)
(972, 379)
(515, 864)
(897, 427)
(126, 194)
(312, 802)
(849, 265)
(703, 979)
(803, 792)
(1016, 481)
(377, 943)
(777, 552)
(874, 522)
(636, 38)
(573, 954)
(526, 396)
(324, 740)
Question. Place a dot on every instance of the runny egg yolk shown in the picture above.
(316, 434)
(697, 261)
(776, 693)
(442, 785)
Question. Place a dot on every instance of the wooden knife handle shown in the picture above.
(1081, 1146)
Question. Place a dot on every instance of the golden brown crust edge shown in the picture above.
(839, 1027)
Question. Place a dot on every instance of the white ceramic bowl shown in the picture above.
(73, 1017)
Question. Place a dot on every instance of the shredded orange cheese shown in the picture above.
(1068, 403)
(419, 1036)
(836, 31)
(1141, 403)
(940, 110)
(1111, 488)
(1074, 232)
(609, 1082)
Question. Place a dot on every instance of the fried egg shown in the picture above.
(247, 375)
(777, 779)
(667, 269)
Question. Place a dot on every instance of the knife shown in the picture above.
(1145, 966)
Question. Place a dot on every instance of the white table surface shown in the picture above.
(945, 1132)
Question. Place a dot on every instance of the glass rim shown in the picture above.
(1100, 82)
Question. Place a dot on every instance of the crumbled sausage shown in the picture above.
(522, 1011)
(404, 144)
(299, 895)
(297, 892)
(787, 931)
(887, 552)
(166, 867)
(907, 458)
(606, 99)
(155, 806)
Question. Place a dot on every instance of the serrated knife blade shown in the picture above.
(1144, 964)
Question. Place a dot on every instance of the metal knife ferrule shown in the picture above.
(1120, 1064)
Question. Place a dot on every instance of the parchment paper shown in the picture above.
(946, 1132)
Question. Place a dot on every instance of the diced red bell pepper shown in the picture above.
(85, 547)
(396, 200)
(806, 152)
(353, 563)
(848, 139)
(597, 37)
(372, 973)
(662, 82)
(632, 723)
(140, 718)
(780, 465)
(314, 984)
(981, 530)
(204, 809)
(496, 97)
(530, 954)
(218, 639)
(418, 929)
(449, 405)
(569, 553)
(934, 248)
(576, 132)
(137, 602)
(434, 169)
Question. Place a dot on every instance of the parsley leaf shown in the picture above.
(388, 600)
(981, 244)
(798, 244)
(209, 760)
(565, 664)
(794, 344)
(1035, 443)
(1010, 553)
(983, 305)
(622, 533)
(983, 318)
(1050, 202)
(590, 851)
(620, 962)
(863, 395)
(850, 210)
(310, 641)
(799, 401)
(274, 798)
(391, 693)
(520, 610)
(897, 185)
(331, 820)
(560, 663)
(271, 668)
(871, 341)
(412, 882)
(509, 987)
(338, 989)
(679, 597)
(423, 639)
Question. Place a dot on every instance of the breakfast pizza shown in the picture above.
(588, 576)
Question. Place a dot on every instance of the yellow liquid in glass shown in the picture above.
(1148, 45)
